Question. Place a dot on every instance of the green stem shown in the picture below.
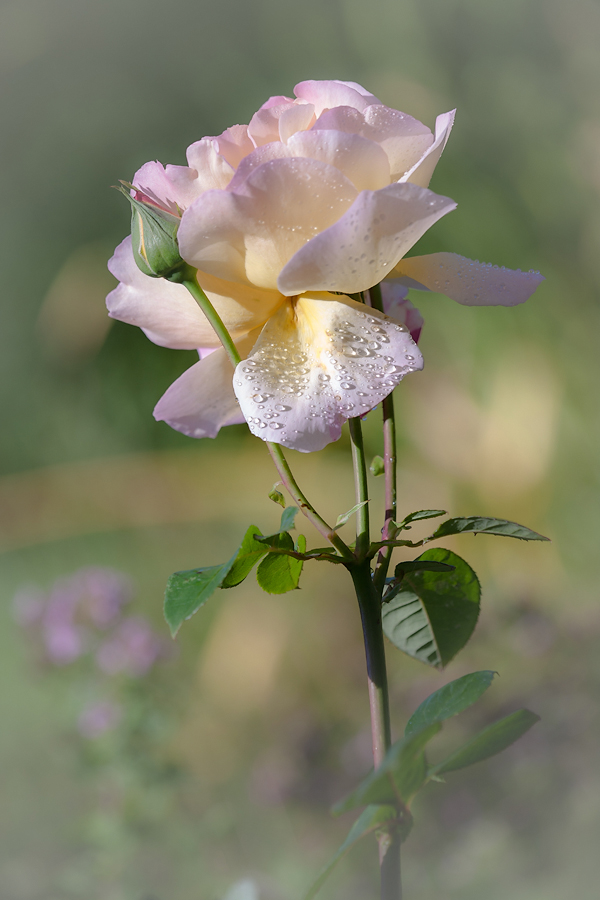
(190, 281)
(389, 464)
(309, 511)
(361, 487)
(389, 841)
(369, 602)
(188, 278)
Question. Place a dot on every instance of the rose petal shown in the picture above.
(296, 118)
(213, 170)
(328, 94)
(367, 242)
(318, 362)
(202, 400)
(233, 145)
(362, 161)
(397, 306)
(403, 138)
(422, 171)
(276, 123)
(248, 235)
(279, 100)
(168, 313)
(468, 282)
(173, 187)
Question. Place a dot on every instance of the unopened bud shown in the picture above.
(153, 235)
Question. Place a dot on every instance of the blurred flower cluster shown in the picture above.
(82, 618)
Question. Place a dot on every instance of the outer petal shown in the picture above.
(172, 187)
(234, 144)
(202, 401)
(403, 138)
(248, 235)
(422, 171)
(468, 282)
(317, 362)
(168, 313)
(213, 170)
(366, 243)
(328, 94)
(397, 306)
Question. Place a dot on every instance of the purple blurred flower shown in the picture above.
(102, 594)
(98, 718)
(63, 640)
(133, 648)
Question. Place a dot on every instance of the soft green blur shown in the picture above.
(268, 696)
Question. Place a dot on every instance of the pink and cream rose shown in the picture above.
(318, 198)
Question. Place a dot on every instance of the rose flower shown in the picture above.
(318, 198)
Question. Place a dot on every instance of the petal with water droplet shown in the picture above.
(366, 243)
(468, 282)
(345, 374)
(248, 234)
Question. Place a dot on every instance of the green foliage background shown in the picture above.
(269, 704)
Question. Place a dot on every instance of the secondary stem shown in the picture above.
(369, 602)
(188, 278)
(389, 462)
(361, 487)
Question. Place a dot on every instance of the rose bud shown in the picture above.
(153, 235)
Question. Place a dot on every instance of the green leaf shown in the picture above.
(370, 820)
(247, 556)
(401, 774)
(450, 700)
(279, 573)
(490, 741)
(421, 565)
(421, 514)
(341, 520)
(287, 518)
(276, 496)
(377, 466)
(433, 615)
(483, 525)
(187, 591)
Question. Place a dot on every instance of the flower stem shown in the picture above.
(389, 464)
(309, 511)
(369, 601)
(361, 487)
(188, 278)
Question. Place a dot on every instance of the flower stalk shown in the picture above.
(369, 601)
(189, 280)
(389, 464)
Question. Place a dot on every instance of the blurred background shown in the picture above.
(135, 769)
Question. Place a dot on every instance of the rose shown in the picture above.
(318, 196)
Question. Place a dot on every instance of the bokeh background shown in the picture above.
(223, 757)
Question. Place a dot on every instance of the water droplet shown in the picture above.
(261, 398)
(347, 385)
(282, 408)
(276, 425)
